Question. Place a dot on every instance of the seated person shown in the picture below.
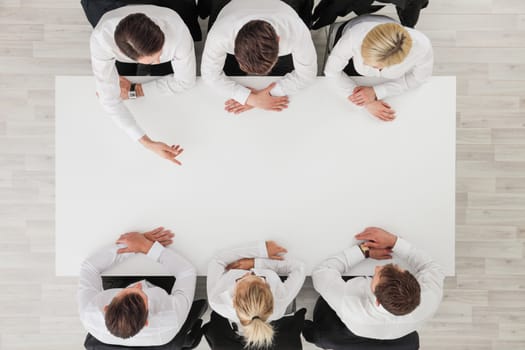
(377, 46)
(258, 38)
(392, 304)
(141, 40)
(244, 287)
(141, 314)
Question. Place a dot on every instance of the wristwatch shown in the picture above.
(365, 250)
(132, 93)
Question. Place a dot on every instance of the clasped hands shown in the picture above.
(137, 242)
(379, 241)
(275, 252)
(365, 96)
(260, 99)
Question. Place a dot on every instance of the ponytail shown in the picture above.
(258, 334)
(254, 305)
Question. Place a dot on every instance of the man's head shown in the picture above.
(139, 38)
(257, 47)
(397, 290)
(386, 45)
(127, 313)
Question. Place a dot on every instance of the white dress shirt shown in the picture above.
(178, 49)
(294, 38)
(166, 312)
(355, 303)
(221, 283)
(415, 69)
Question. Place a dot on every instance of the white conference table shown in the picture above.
(309, 177)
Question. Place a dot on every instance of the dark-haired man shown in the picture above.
(141, 314)
(391, 304)
(141, 40)
(253, 37)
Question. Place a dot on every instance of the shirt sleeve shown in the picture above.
(327, 276)
(213, 58)
(108, 88)
(305, 65)
(421, 72)
(217, 266)
(183, 291)
(90, 280)
(183, 64)
(337, 61)
(293, 269)
(427, 272)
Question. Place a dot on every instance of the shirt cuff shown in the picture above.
(353, 256)
(241, 94)
(277, 90)
(155, 251)
(402, 247)
(380, 92)
(135, 132)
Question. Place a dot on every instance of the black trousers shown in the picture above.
(138, 69)
(327, 331)
(186, 9)
(211, 9)
(283, 66)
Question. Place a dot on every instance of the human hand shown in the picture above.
(362, 95)
(135, 243)
(380, 253)
(235, 107)
(381, 110)
(275, 251)
(125, 86)
(262, 99)
(164, 237)
(162, 149)
(376, 237)
(241, 264)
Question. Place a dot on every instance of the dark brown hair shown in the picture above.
(398, 291)
(126, 315)
(257, 47)
(137, 35)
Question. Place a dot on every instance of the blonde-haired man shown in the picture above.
(378, 46)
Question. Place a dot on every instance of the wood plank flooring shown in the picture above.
(482, 42)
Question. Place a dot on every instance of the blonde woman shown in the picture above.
(378, 46)
(244, 287)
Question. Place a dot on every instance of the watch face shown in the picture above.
(132, 94)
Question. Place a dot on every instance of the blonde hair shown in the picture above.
(386, 44)
(254, 305)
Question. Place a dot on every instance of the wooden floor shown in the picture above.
(482, 42)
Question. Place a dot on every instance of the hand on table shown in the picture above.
(275, 251)
(135, 242)
(162, 149)
(264, 100)
(362, 95)
(164, 237)
(381, 253)
(381, 110)
(241, 264)
(377, 238)
(235, 107)
(125, 86)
